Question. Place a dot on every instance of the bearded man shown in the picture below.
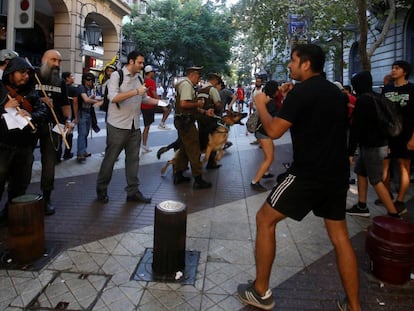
(55, 90)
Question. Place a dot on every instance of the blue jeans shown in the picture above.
(84, 125)
(116, 141)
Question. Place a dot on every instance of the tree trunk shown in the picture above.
(363, 29)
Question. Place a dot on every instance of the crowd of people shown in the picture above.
(331, 128)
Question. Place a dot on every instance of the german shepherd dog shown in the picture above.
(216, 139)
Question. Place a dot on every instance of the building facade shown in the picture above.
(62, 25)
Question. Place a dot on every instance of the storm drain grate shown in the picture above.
(143, 272)
(71, 291)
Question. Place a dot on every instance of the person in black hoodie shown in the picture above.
(366, 134)
(16, 145)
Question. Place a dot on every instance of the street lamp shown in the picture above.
(92, 32)
(128, 46)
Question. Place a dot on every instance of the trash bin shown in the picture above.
(390, 245)
(26, 228)
(170, 227)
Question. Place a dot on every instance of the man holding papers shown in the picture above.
(22, 111)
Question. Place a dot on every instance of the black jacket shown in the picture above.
(365, 128)
(39, 114)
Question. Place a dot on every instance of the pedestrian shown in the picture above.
(17, 96)
(188, 107)
(207, 124)
(227, 97)
(103, 81)
(123, 131)
(401, 92)
(240, 97)
(258, 88)
(5, 56)
(72, 91)
(52, 89)
(87, 103)
(316, 181)
(366, 134)
(147, 110)
(268, 98)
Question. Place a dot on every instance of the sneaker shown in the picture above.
(227, 145)
(268, 175)
(357, 211)
(145, 149)
(400, 206)
(378, 202)
(258, 187)
(200, 183)
(342, 305)
(256, 142)
(163, 127)
(248, 295)
(68, 156)
(80, 159)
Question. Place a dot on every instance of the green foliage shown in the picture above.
(175, 34)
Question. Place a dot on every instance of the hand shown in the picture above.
(11, 103)
(210, 112)
(141, 90)
(48, 101)
(286, 88)
(98, 104)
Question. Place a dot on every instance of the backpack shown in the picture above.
(253, 122)
(205, 94)
(105, 104)
(389, 116)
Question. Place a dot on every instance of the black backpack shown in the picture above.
(105, 104)
(389, 115)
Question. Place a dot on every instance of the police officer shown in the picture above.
(187, 108)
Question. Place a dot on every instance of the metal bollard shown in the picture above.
(170, 228)
(26, 228)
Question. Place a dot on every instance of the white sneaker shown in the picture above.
(163, 127)
(145, 149)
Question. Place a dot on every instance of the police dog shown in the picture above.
(216, 141)
(218, 138)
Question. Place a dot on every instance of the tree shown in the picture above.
(327, 22)
(385, 13)
(174, 35)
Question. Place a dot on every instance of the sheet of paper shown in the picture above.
(56, 129)
(14, 120)
(162, 103)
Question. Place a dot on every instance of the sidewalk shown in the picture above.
(95, 249)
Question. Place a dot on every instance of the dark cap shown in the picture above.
(213, 75)
(194, 68)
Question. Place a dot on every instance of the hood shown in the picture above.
(15, 64)
(362, 82)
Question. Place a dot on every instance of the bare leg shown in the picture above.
(268, 151)
(385, 197)
(404, 165)
(362, 185)
(145, 135)
(346, 260)
(266, 220)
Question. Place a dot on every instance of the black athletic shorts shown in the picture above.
(148, 116)
(295, 197)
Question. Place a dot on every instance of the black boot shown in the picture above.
(180, 178)
(200, 183)
(47, 204)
